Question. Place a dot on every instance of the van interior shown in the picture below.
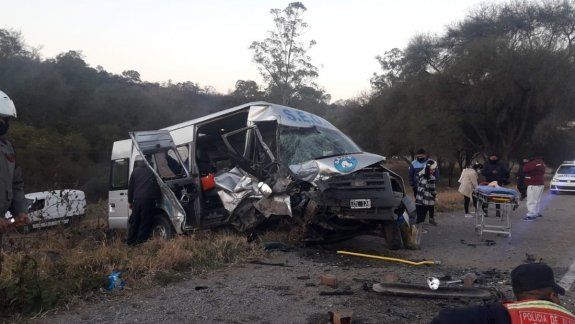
(213, 158)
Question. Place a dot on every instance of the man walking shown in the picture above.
(143, 192)
(12, 186)
(534, 173)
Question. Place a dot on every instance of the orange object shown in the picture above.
(208, 182)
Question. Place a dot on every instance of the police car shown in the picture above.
(564, 178)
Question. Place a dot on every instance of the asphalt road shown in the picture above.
(291, 294)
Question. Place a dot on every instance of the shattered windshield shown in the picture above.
(301, 144)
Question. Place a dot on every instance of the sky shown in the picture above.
(207, 42)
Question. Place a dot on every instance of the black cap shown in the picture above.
(533, 276)
(420, 151)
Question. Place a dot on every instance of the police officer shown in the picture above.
(143, 192)
(11, 185)
(537, 297)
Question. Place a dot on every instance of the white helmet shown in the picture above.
(7, 108)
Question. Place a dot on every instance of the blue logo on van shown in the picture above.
(345, 163)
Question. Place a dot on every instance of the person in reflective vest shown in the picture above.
(537, 297)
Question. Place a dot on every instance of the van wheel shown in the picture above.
(162, 228)
(392, 235)
(24, 229)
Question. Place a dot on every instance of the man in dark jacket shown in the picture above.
(143, 192)
(521, 187)
(534, 174)
(537, 302)
(494, 170)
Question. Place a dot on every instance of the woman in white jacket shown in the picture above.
(468, 183)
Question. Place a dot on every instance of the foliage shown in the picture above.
(283, 58)
(500, 80)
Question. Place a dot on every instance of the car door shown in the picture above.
(152, 143)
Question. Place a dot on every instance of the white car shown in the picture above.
(50, 208)
(564, 178)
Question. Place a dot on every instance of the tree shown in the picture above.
(248, 89)
(132, 75)
(491, 79)
(283, 57)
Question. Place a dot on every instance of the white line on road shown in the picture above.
(569, 278)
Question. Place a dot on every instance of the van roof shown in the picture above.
(217, 114)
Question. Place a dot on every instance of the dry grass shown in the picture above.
(448, 200)
(49, 268)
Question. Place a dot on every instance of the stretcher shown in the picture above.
(494, 209)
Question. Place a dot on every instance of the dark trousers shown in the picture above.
(422, 211)
(141, 221)
(466, 201)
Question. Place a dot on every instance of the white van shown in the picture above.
(254, 164)
(50, 208)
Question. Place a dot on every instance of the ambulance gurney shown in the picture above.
(494, 209)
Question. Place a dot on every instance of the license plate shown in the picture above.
(360, 203)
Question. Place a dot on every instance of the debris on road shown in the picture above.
(481, 243)
(277, 246)
(277, 264)
(328, 280)
(345, 292)
(378, 257)
(201, 287)
(341, 316)
(303, 277)
(407, 290)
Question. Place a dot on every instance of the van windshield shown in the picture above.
(301, 144)
(566, 169)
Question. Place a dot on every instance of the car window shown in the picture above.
(566, 169)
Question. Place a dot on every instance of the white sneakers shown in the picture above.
(468, 215)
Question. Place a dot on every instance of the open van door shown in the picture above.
(169, 169)
(118, 211)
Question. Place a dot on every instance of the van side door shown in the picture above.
(118, 194)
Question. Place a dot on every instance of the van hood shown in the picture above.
(322, 169)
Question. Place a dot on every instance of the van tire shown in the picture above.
(392, 235)
(162, 228)
(24, 229)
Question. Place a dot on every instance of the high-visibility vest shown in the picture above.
(538, 312)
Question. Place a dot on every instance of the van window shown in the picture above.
(37, 205)
(119, 174)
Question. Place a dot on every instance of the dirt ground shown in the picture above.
(254, 293)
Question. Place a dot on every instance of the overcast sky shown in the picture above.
(207, 41)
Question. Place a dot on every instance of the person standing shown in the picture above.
(467, 184)
(143, 193)
(534, 180)
(521, 187)
(12, 186)
(416, 166)
(494, 170)
(426, 193)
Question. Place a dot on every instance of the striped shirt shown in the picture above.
(425, 191)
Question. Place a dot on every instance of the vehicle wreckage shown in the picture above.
(252, 165)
